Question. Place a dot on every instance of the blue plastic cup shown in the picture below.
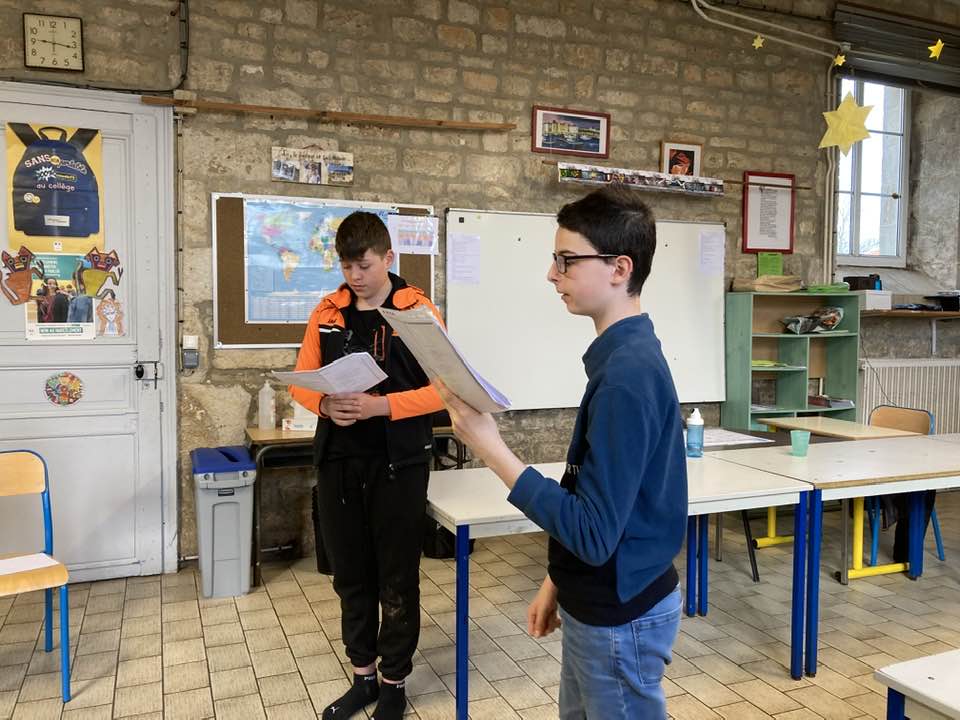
(799, 442)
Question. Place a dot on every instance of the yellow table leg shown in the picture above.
(858, 570)
(772, 538)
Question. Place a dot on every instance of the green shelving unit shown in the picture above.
(754, 332)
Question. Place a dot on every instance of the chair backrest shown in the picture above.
(22, 472)
(901, 418)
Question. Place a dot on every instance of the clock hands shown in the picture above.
(54, 42)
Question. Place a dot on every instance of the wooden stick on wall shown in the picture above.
(327, 115)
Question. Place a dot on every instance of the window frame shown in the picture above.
(900, 259)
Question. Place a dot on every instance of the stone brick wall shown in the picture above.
(661, 72)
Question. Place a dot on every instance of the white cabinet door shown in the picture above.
(111, 455)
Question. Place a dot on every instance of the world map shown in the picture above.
(290, 259)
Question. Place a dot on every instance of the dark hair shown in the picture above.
(359, 232)
(615, 222)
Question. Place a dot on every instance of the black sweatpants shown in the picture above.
(372, 527)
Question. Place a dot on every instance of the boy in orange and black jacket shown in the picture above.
(372, 451)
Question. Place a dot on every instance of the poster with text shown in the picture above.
(55, 188)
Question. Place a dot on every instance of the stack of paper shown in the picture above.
(439, 358)
(353, 373)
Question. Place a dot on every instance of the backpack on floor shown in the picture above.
(55, 191)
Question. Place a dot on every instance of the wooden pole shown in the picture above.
(327, 115)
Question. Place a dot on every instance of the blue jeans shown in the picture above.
(609, 673)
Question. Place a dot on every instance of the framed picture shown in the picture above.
(570, 132)
(680, 158)
(769, 200)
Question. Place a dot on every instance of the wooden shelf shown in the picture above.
(790, 368)
(927, 314)
(839, 333)
(807, 409)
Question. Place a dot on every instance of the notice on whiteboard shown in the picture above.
(463, 259)
(711, 251)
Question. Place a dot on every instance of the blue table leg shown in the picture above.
(915, 552)
(463, 614)
(895, 705)
(797, 604)
(813, 579)
(704, 521)
(691, 566)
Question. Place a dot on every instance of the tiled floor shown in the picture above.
(149, 648)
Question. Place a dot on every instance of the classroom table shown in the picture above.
(472, 503)
(844, 470)
(924, 688)
(832, 427)
(272, 449)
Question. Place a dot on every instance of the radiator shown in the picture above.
(932, 385)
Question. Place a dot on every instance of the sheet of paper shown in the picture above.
(25, 562)
(413, 234)
(463, 259)
(711, 251)
(716, 437)
(356, 372)
(439, 358)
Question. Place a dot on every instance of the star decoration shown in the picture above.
(936, 49)
(840, 59)
(758, 42)
(846, 125)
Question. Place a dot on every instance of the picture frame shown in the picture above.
(680, 156)
(769, 207)
(561, 131)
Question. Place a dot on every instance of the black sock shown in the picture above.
(392, 703)
(364, 691)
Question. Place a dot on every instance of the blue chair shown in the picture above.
(913, 420)
(23, 472)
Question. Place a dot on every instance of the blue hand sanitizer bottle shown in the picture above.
(695, 434)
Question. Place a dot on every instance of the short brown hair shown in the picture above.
(359, 232)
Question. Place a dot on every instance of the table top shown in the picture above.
(848, 464)
(832, 427)
(477, 496)
(276, 436)
(931, 681)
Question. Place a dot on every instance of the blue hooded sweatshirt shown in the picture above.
(617, 518)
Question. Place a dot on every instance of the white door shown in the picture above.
(111, 454)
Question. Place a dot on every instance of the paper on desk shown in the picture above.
(355, 372)
(25, 562)
(439, 358)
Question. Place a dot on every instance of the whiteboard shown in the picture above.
(512, 327)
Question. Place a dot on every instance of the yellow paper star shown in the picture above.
(840, 59)
(846, 125)
(758, 42)
(935, 50)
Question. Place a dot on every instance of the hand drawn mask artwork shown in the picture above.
(93, 271)
(18, 273)
(109, 315)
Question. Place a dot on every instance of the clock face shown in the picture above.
(52, 42)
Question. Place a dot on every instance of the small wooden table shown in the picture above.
(274, 448)
(924, 688)
(831, 427)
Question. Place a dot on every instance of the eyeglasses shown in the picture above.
(564, 261)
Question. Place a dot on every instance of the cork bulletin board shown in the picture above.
(232, 327)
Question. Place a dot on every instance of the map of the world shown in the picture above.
(290, 257)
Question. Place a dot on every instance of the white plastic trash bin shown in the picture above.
(223, 480)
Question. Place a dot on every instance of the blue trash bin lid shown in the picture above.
(232, 458)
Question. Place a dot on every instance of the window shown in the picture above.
(872, 180)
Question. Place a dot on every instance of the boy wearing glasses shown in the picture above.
(372, 450)
(617, 518)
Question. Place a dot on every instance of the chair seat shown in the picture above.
(29, 580)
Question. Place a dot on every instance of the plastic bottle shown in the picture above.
(266, 407)
(695, 434)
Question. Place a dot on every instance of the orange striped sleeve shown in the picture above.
(422, 401)
(309, 359)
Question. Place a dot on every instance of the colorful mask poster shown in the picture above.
(63, 389)
(55, 178)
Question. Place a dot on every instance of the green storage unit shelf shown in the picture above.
(754, 331)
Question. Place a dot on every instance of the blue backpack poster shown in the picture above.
(54, 175)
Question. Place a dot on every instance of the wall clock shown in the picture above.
(52, 42)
